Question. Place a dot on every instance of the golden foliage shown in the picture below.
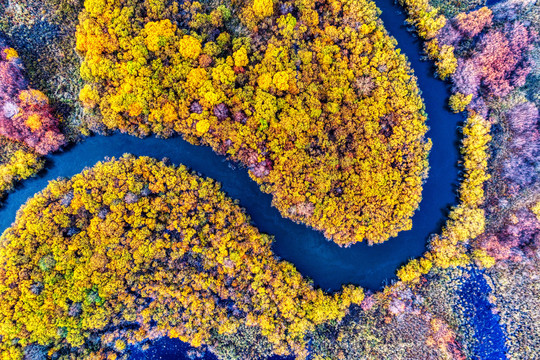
(11, 53)
(334, 132)
(482, 259)
(414, 269)
(428, 23)
(263, 8)
(21, 165)
(159, 33)
(536, 210)
(458, 101)
(189, 47)
(467, 220)
(133, 249)
(89, 96)
(33, 97)
(33, 122)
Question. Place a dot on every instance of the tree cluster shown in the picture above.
(428, 23)
(133, 249)
(313, 97)
(493, 58)
(25, 113)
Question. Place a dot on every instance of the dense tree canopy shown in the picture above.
(17, 162)
(133, 249)
(313, 97)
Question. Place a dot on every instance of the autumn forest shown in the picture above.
(322, 107)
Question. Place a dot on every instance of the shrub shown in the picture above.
(458, 102)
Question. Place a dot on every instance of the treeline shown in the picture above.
(428, 22)
(313, 97)
(132, 250)
(493, 56)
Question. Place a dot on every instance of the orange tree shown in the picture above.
(133, 249)
(312, 96)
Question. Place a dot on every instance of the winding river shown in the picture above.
(329, 265)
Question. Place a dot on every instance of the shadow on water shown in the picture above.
(174, 349)
(492, 2)
(169, 349)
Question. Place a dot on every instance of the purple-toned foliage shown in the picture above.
(25, 114)
(523, 118)
(240, 116)
(35, 352)
(221, 111)
(520, 168)
(499, 62)
(526, 146)
(262, 168)
(480, 106)
(511, 10)
(467, 77)
(450, 34)
(519, 172)
(519, 237)
(12, 80)
(196, 107)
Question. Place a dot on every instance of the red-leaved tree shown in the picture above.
(471, 24)
(499, 62)
(465, 26)
(25, 114)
